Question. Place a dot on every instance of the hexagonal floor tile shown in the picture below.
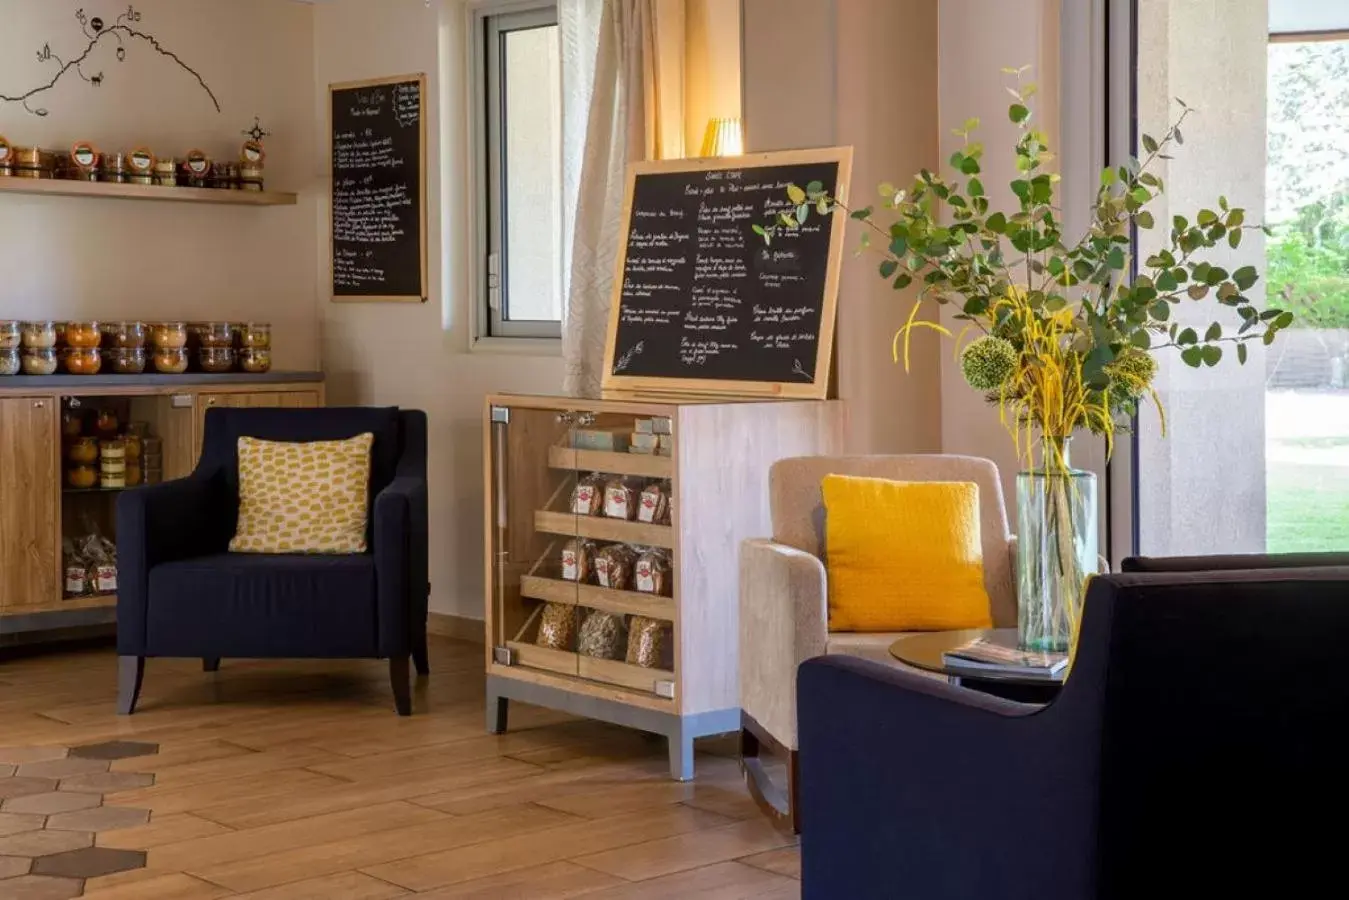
(14, 756)
(103, 818)
(19, 787)
(62, 768)
(42, 887)
(43, 843)
(14, 866)
(13, 823)
(107, 782)
(91, 862)
(51, 803)
(115, 750)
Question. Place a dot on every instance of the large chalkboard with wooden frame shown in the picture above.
(701, 303)
(378, 234)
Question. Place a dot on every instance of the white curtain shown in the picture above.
(617, 90)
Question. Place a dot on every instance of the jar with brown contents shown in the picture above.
(216, 334)
(83, 451)
(255, 361)
(216, 359)
(11, 335)
(82, 477)
(128, 360)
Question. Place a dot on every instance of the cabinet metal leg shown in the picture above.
(498, 710)
(681, 755)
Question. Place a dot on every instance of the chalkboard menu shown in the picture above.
(703, 304)
(379, 189)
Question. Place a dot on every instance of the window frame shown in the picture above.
(488, 21)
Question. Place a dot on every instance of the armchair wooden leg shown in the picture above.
(130, 673)
(210, 664)
(780, 804)
(421, 658)
(400, 677)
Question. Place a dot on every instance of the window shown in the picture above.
(519, 170)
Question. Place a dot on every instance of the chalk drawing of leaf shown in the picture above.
(798, 369)
(626, 359)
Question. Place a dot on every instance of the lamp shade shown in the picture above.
(724, 137)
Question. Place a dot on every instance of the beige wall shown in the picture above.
(417, 356)
(67, 258)
(711, 66)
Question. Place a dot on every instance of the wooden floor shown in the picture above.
(295, 780)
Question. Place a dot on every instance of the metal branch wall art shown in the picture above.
(124, 30)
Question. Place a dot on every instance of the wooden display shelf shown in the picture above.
(608, 671)
(95, 490)
(56, 187)
(591, 596)
(640, 464)
(618, 531)
(68, 604)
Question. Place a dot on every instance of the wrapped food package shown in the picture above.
(613, 567)
(557, 626)
(578, 560)
(650, 643)
(603, 636)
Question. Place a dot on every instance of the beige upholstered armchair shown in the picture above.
(784, 617)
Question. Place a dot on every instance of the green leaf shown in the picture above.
(1212, 354)
(902, 280)
(1161, 310)
(970, 166)
(1144, 219)
(815, 187)
(1141, 194)
(1206, 217)
(888, 267)
(822, 206)
(1175, 133)
(1246, 277)
(1222, 203)
(1241, 353)
(898, 245)
(1236, 218)
(1108, 177)
(802, 213)
(997, 223)
(758, 229)
(1193, 356)
(975, 187)
(1214, 332)
(1021, 188)
(1188, 336)
(1115, 259)
(886, 189)
(795, 194)
(1284, 320)
(971, 124)
(1018, 113)
(1269, 337)
(1056, 265)
(1141, 339)
(1150, 143)
(1166, 282)
(863, 213)
(1180, 223)
(1234, 238)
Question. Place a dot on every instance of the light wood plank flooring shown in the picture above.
(295, 780)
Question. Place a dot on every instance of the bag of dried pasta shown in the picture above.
(650, 643)
(603, 635)
(557, 626)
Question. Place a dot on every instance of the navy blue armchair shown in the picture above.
(183, 594)
(1196, 750)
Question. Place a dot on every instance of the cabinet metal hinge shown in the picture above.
(501, 414)
(665, 689)
(503, 656)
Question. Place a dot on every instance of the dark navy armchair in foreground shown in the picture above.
(182, 594)
(1197, 750)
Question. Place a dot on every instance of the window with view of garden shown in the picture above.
(1307, 384)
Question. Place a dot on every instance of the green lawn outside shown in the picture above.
(1308, 507)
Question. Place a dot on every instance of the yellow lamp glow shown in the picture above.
(724, 137)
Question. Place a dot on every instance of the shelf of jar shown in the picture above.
(588, 668)
(592, 596)
(618, 531)
(65, 604)
(95, 490)
(54, 187)
(640, 464)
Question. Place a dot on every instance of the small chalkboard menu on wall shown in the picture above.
(379, 189)
(701, 303)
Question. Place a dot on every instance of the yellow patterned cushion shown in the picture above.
(903, 556)
(303, 498)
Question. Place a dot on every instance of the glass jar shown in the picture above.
(257, 336)
(112, 481)
(11, 335)
(112, 467)
(255, 360)
(72, 424)
(216, 334)
(39, 361)
(82, 360)
(169, 335)
(83, 335)
(129, 335)
(133, 446)
(216, 359)
(112, 450)
(83, 451)
(107, 424)
(127, 360)
(133, 474)
(39, 336)
(81, 478)
(11, 361)
(171, 360)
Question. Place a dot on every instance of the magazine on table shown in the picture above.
(999, 655)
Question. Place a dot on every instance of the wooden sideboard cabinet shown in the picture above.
(38, 510)
(714, 468)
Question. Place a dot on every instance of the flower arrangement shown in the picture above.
(1061, 336)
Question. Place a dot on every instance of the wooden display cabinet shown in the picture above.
(38, 508)
(717, 477)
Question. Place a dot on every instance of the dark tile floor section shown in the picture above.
(89, 862)
(47, 833)
(110, 750)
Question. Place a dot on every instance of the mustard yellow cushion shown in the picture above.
(903, 556)
(303, 498)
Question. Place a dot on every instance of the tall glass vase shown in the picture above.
(1056, 547)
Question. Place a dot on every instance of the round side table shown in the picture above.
(925, 650)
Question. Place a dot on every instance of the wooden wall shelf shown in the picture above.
(63, 188)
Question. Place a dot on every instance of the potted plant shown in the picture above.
(1062, 337)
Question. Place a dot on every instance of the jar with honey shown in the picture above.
(83, 451)
(170, 335)
(83, 335)
(171, 360)
(82, 360)
(81, 477)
